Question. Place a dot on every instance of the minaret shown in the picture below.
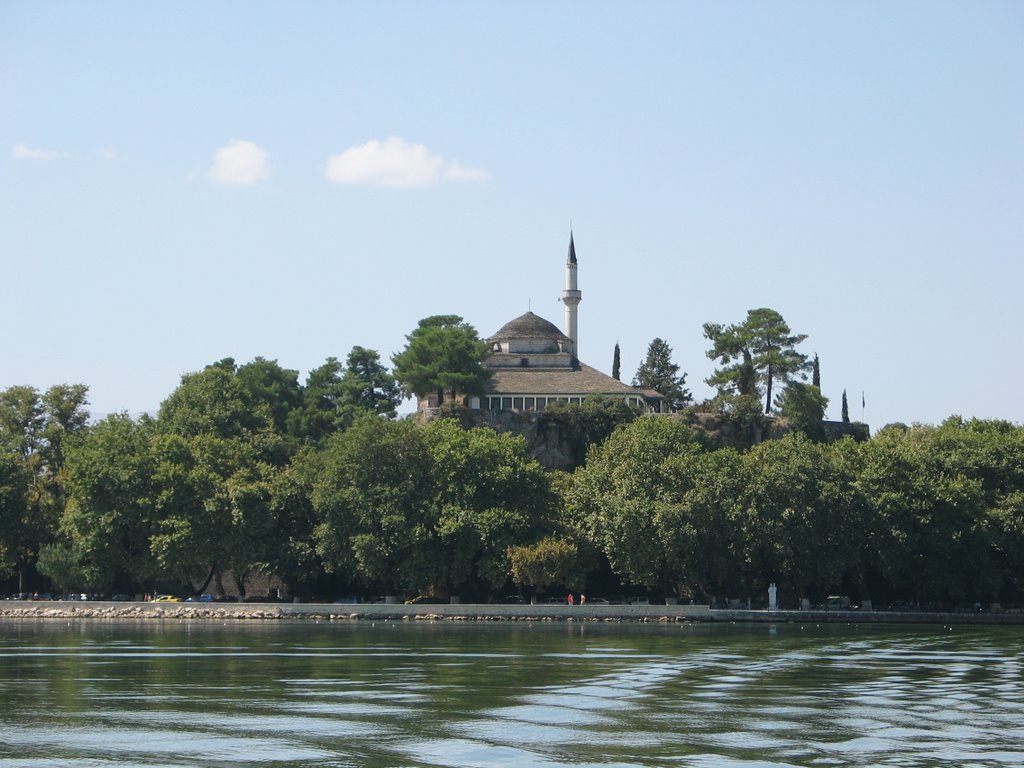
(571, 297)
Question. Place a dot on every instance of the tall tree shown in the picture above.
(367, 386)
(816, 372)
(12, 509)
(846, 409)
(34, 428)
(320, 414)
(269, 384)
(803, 405)
(760, 350)
(105, 527)
(444, 354)
(659, 373)
(616, 362)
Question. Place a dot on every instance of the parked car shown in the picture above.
(425, 600)
(200, 599)
(166, 599)
(511, 600)
(597, 601)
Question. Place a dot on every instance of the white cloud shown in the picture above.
(109, 152)
(21, 152)
(398, 164)
(239, 163)
(458, 172)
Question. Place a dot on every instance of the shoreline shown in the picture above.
(478, 612)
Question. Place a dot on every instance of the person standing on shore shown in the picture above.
(569, 599)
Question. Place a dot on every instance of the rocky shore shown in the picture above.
(496, 613)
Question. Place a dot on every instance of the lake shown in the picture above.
(286, 694)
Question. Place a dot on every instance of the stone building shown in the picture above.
(534, 364)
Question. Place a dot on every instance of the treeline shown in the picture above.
(244, 471)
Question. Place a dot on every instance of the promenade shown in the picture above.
(476, 612)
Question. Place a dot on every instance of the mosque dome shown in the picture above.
(528, 326)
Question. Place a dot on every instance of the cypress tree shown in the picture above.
(815, 372)
(615, 363)
(846, 409)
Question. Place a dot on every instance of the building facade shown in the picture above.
(534, 364)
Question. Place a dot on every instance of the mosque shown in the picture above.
(534, 364)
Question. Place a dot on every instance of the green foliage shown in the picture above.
(588, 423)
(13, 483)
(758, 351)
(846, 410)
(550, 562)
(743, 419)
(616, 362)
(367, 386)
(214, 402)
(622, 497)
(443, 354)
(424, 507)
(800, 518)
(659, 373)
(803, 406)
(254, 403)
(487, 495)
(34, 428)
(105, 528)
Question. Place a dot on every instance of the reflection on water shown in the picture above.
(99, 695)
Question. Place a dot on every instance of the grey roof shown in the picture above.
(528, 326)
(582, 380)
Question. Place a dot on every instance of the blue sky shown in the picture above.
(185, 182)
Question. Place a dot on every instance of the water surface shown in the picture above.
(109, 695)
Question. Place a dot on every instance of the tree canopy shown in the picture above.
(755, 354)
(444, 354)
(659, 373)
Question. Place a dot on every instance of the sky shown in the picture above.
(184, 182)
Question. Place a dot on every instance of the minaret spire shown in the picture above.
(571, 297)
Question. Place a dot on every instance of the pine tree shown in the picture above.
(615, 363)
(659, 373)
(846, 409)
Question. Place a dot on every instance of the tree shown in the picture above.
(367, 386)
(253, 403)
(846, 409)
(370, 493)
(214, 510)
(799, 521)
(620, 496)
(659, 373)
(760, 350)
(105, 528)
(616, 362)
(550, 562)
(12, 509)
(816, 372)
(267, 383)
(320, 414)
(589, 423)
(803, 406)
(34, 428)
(488, 494)
(443, 354)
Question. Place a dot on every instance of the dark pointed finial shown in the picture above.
(572, 249)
